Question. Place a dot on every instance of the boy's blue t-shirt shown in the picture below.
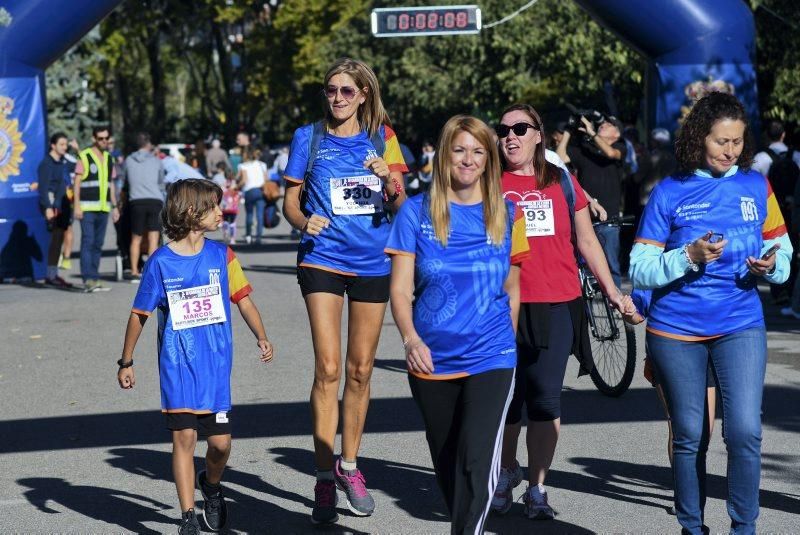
(347, 194)
(194, 363)
(461, 309)
(641, 300)
(722, 297)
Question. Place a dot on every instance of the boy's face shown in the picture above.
(212, 220)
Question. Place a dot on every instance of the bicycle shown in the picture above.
(613, 341)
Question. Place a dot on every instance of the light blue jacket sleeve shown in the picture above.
(783, 259)
(651, 267)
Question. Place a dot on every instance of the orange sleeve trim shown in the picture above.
(190, 411)
(292, 179)
(682, 337)
(398, 251)
(443, 377)
(774, 233)
(142, 312)
(649, 242)
(331, 270)
(398, 168)
(519, 259)
(241, 294)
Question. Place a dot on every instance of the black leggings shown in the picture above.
(464, 427)
(540, 372)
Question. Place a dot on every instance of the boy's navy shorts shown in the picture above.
(206, 425)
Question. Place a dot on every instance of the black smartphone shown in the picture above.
(715, 237)
(770, 252)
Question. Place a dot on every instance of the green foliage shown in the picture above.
(778, 57)
(165, 65)
(71, 103)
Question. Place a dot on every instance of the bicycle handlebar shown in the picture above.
(616, 221)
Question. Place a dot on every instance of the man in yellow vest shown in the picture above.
(94, 198)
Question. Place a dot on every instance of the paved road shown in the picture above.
(78, 455)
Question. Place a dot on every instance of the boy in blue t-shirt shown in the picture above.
(191, 281)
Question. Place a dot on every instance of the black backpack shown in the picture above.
(783, 174)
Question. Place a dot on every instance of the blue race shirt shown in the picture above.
(194, 364)
(722, 296)
(461, 310)
(352, 244)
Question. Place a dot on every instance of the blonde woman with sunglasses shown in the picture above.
(341, 185)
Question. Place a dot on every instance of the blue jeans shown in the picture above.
(93, 233)
(609, 239)
(739, 360)
(254, 201)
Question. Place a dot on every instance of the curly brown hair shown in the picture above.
(690, 147)
(188, 201)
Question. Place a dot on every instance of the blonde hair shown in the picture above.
(495, 216)
(371, 114)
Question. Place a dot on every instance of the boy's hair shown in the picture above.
(221, 166)
(188, 201)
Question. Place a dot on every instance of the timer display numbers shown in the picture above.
(433, 20)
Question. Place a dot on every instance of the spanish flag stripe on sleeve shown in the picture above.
(520, 249)
(238, 286)
(393, 156)
(774, 224)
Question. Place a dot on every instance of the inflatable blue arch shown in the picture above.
(691, 46)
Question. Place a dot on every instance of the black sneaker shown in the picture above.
(189, 524)
(325, 499)
(215, 510)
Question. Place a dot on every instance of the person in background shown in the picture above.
(216, 155)
(65, 260)
(95, 198)
(708, 235)
(144, 176)
(231, 199)
(221, 175)
(198, 158)
(425, 167)
(237, 153)
(250, 180)
(53, 175)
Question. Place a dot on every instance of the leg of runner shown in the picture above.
(363, 332)
(152, 242)
(183, 444)
(135, 253)
(325, 317)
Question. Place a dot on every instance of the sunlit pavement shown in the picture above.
(79, 455)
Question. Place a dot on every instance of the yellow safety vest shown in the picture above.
(94, 182)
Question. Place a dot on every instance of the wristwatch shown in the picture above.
(123, 364)
(692, 265)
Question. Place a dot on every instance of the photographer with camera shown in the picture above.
(598, 155)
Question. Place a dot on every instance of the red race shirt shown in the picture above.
(550, 274)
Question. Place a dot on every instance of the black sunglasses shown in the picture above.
(519, 129)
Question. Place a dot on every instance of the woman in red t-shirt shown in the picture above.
(552, 322)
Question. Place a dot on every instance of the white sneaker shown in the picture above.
(536, 507)
(503, 498)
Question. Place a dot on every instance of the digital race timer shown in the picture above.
(434, 20)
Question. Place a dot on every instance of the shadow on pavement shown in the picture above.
(115, 507)
(413, 488)
(248, 514)
(386, 415)
(603, 477)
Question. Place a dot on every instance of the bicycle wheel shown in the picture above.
(613, 348)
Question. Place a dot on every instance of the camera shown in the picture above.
(593, 116)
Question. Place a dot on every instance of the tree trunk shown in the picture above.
(152, 44)
(229, 103)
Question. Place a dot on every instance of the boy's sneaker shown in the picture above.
(536, 506)
(189, 524)
(503, 498)
(352, 483)
(58, 282)
(215, 510)
(325, 499)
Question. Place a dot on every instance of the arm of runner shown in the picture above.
(252, 318)
(418, 356)
(511, 286)
(314, 224)
(125, 376)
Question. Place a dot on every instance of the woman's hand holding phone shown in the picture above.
(766, 264)
(708, 248)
